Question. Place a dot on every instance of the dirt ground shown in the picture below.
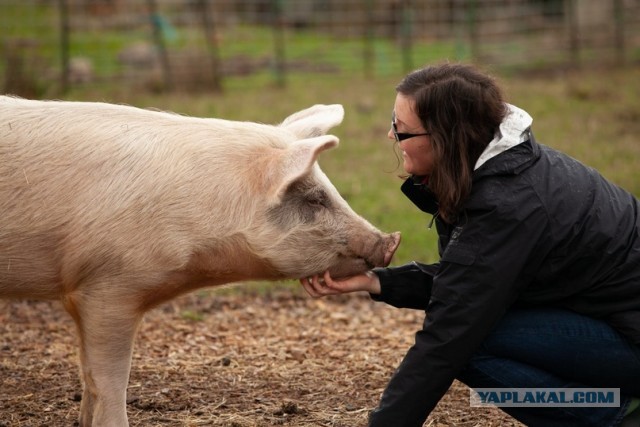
(234, 359)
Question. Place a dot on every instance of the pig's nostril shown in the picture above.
(391, 249)
(397, 237)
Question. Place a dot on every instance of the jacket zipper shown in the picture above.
(433, 219)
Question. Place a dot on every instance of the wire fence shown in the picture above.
(50, 46)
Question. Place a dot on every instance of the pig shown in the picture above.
(113, 210)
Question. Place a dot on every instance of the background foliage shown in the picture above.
(573, 64)
(591, 114)
(194, 45)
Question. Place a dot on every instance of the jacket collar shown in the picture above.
(510, 162)
(512, 131)
(417, 191)
(511, 151)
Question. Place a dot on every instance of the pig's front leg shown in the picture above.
(107, 324)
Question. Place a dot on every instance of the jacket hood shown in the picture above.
(512, 131)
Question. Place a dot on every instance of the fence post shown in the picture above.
(64, 44)
(159, 41)
(279, 43)
(618, 19)
(574, 36)
(212, 44)
(369, 41)
(472, 23)
(405, 31)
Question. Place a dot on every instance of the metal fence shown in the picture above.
(194, 45)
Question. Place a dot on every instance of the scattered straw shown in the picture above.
(246, 360)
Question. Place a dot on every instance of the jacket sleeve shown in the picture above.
(407, 286)
(482, 271)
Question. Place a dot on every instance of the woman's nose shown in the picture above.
(390, 135)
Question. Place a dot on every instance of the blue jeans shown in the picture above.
(542, 348)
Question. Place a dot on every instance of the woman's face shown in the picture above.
(417, 151)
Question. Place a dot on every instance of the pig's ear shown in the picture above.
(299, 159)
(314, 121)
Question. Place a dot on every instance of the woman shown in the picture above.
(538, 285)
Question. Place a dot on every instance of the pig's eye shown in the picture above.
(302, 202)
(315, 204)
(318, 200)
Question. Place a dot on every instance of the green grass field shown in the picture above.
(39, 24)
(593, 115)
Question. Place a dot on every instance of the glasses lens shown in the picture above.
(393, 126)
(401, 136)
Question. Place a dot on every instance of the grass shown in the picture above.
(39, 23)
(592, 115)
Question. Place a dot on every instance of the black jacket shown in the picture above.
(539, 229)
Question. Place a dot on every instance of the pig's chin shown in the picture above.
(349, 268)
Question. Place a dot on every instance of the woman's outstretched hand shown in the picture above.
(318, 286)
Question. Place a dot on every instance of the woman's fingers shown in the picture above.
(360, 282)
(317, 287)
(307, 284)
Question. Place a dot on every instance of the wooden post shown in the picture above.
(574, 32)
(64, 44)
(406, 35)
(368, 52)
(618, 19)
(278, 42)
(212, 44)
(159, 42)
(472, 24)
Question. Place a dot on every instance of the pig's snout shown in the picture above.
(365, 255)
(381, 253)
(392, 244)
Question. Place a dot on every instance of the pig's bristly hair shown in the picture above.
(114, 210)
(125, 159)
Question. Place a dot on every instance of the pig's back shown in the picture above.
(68, 155)
(80, 181)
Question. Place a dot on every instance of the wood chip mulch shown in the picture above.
(239, 358)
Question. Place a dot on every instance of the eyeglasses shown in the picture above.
(401, 136)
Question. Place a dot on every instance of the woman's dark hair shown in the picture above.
(462, 108)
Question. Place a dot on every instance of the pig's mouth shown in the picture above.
(369, 264)
(350, 265)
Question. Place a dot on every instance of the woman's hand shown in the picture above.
(318, 286)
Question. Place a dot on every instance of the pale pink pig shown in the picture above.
(114, 209)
